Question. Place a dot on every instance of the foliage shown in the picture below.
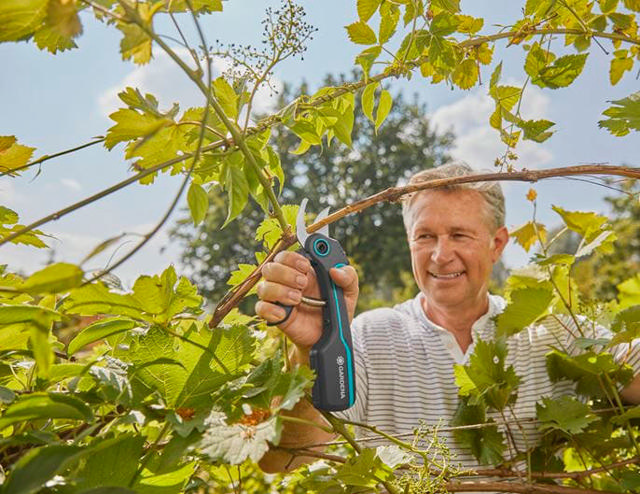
(328, 176)
(146, 397)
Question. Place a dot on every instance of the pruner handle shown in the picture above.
(332, 356)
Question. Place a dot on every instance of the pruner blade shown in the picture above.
(301, 227)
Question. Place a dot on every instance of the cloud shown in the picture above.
(71, 183)
(477, 142)
(166, 81)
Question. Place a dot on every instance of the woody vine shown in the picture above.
(183, 401)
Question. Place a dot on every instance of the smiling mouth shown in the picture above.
(447, 276)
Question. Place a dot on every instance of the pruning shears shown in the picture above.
(332, 356)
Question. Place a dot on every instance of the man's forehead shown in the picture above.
(431, 201)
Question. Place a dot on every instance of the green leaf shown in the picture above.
(269, 231)
(61, 25)
(366, 58)
(619, 66)
(31, 314)
(361, 470)
(495, 76)
(198, 201)
(36, 467)
(485, 379)
(487, 443)
(46, 406)
(587, 224)
(441, 53)
(624, 115)
(562, 72)
(631, 413)
(465, 74)
(109, 490)
(366, 8)
(444, 24)
(388, 23)
(537, 59)
(602, 243)
(226, 96)
(368, 100)
(393, 456)
(96, 298)
(565, 414)
(237, 187)
(629, 292)
(469, 25)
(7, 396)
(131, 124)
(111, 462)
(20, 18)
(42, 350)
(525, 307)
(55, 278)
(169, 482)
(587, 370)
(384, 107)
(626, 325)
(12, 154)
(505, 96)
(536, 130)
(451, 6)
(239, 275)
(236, 443)
(361, 34)
(99, 331)
(529, 233)
(344, 126)
(306, 131)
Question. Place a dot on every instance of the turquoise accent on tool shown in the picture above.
(332, 356)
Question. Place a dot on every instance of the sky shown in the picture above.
(57, 102)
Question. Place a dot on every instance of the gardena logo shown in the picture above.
(341, 384)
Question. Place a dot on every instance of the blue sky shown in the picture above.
(57, 102)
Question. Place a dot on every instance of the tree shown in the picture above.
(328, 175)
(157, 396)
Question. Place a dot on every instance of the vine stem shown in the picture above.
(48, 157)
(393, 194)
(517, 488)
(147, 458)
(339, 427)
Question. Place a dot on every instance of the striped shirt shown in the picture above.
(405, 372)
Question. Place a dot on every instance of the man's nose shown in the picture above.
(442, 252)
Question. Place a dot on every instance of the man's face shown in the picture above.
(453, 247)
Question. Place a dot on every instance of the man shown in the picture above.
(405, 356)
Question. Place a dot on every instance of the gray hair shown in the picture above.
(490, 191)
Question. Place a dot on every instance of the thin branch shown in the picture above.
(393, 194)
(518, 488)
(47, 157)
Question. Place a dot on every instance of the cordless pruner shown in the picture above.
(332, 356)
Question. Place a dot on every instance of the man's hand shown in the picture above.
(286, 280)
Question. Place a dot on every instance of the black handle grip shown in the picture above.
(332, 356)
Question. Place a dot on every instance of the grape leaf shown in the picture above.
(12, 154)
(562, 72)
(565, 414)
(61, 25)
(536, 130)
(98, 331)
(238, 442)
(527, 234)
(20, 18)
(485, 379)
(587, 224)
(36, 467)
(466, 73)
(58, 277)
(388, 22)
(526, 305)
(269, 231)
(384, 107)
(237, 187)
(624, 115)
(486, 443)
(46, 406)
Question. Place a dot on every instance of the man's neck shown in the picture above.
(457, 320)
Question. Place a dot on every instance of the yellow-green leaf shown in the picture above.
(368, 100)
(527, 234)
(384, 107)
(624, 115)
(226, 96)
(237, 189)
(388, 24)
(99, 331)
(198, 201)
(618, 67)
(586, 224)
(562, 72)
(470, 25)
(525, 307)
(12, 154)
(366, 58)
(465, 74)
(54, 278)
(62, 24)
(131, 125)
(366, 8)
(20, 18)
(361, 34)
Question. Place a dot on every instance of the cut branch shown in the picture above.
(393, 194)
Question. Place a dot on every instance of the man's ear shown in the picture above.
(500, 241)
